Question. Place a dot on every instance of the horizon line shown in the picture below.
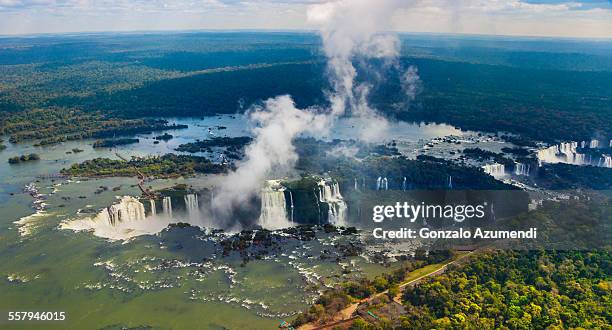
(302, 31)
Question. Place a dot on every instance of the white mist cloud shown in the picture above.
(279, 122)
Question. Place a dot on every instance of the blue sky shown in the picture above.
(577, 18)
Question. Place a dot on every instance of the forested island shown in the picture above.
(165, 166)
(23, 158)
(110, 143)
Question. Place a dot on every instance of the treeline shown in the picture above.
(55, 125)
(539, 104)
(165, 166)
(516, 290)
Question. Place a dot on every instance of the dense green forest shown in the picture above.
(491, 290)
(523, 86)
(516, 290)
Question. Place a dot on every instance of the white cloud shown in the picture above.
(530, 17)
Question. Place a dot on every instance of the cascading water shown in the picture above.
(292, 206)
(521, 169)
(562, 153)
(330, 193)
(167, 206)
(404, 184)
(128, 209)
(152, 205)
(191, 203)
(495, 170)
(605, 161)
(378, 183)
(273, 206)
(450, 182)
(356, 185)
(567, 153)
(385, 184)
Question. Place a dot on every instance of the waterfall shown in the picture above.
(292, 206)
(356, 186)
(385, 184)
(450, 182)
(167, 205)
(273, 206)
(564, 152)
(521, 169)
(191, 203)
(404, 184)
(378, 183)
(128, 209)
(495, 170)
(582, 144)
(605, 161)
(152, 205)
(336, 205)
(610, 144)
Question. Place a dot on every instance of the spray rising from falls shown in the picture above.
(278, 122)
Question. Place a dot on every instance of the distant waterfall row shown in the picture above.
(567, 152)
(522, 169)
(192, 206)
(382, 183)
(499, 170)
(495, 170)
